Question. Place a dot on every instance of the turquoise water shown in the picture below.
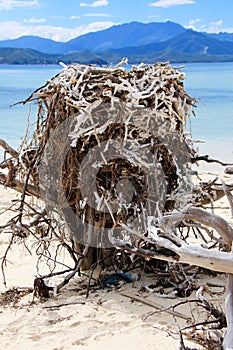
(16, 84)
(210, 83)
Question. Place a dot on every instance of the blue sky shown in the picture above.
(63, 20)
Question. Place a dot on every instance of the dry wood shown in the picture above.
(228, 339)
(183, 252)
(229, 170)
(9, 149)
(19, 186)
(187, 254)
(203, 217)
(57, 306)
(153, 304)
(229, 196)
(209, 160)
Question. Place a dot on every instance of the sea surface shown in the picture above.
(210, 83)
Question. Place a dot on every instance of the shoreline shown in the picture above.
(221, 150)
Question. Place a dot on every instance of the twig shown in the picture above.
(80, 260)
(153, 304)
(229, 196)
(204, 323)
(218, 314)
(171, 307)
(4, 259)
(209, 160)
(64, 304)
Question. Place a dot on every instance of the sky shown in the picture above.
(62, 20)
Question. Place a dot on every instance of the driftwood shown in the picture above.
(229, 170)
(213, 191)
(207, 159)
(218, 261)
(111, 162)
(163, 235)
(9, 149)
(154, 305)
(229, 197)
(19, 186)
(228, 339)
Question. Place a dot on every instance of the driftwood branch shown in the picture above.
(187, 254)
(9, 149)
(229, 196)
(201, 216)
(80, 261)
(181, 251)
(18, 186)
(209, 160)
(228, 339)
(57, 306)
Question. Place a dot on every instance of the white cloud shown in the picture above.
(97, 15)
(98, 3)
(169, 3)
(10, 4)
(153, 16)
(34, 20)
(12, 30)
(74, 17)
(212, 27)
(215, 27)
(192, 23)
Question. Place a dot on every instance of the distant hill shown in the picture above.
(139, 42)
(189, 42)
(129, 34)
(34, 43)
(118, 36)
(23, 56)
(28, 56)
(189, 46)
(222, 36)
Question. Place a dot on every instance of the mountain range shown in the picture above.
(139, 42)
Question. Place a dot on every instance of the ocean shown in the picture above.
(210, 83)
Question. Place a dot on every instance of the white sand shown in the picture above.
(107, 320)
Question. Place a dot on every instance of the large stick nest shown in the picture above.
(110, 142)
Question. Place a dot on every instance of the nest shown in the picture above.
(110, 146)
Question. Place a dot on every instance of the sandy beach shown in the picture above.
(104, 320)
